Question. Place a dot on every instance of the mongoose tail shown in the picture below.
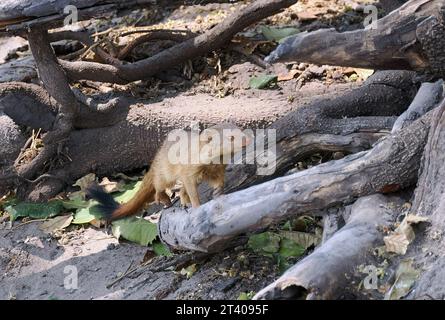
(112, 210)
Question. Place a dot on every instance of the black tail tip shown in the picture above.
(107, 204)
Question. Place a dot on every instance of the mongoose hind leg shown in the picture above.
(191, 188)
(218, 185)
(162, 197)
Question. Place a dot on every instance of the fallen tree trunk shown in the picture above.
(329, 271)
(411, 37)
(391, 165)
(429, 201)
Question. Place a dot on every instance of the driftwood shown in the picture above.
(408, 38)
(328, 272)
(84, 135)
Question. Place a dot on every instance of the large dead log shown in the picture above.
(429, 201)
(392, 164)
(411, 37)
(329, 271)
(18, 15)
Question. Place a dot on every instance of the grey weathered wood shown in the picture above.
(411, 37)
(428, 96)
(429, 201)
(329, 270)
(16, 15)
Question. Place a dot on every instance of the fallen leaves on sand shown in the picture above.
(57, 223)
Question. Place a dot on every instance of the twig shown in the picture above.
(126, 273)
(28, 222)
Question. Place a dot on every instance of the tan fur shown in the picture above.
(164, 175)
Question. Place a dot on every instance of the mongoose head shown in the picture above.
(223, 141)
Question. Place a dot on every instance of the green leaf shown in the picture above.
(303, 239)
(136, 230)
(265, 243)
(131, 188)
(88, 214)
(189, 271)
(289, 248)
(161, 249)
(35, 210)
(76, 202)
(278, 34)
(262, 82)
(406, 276)
(88, 210)
(246, 295)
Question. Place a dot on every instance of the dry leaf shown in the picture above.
(304, 239)
(307, 16)
(289, 76)
(414, 219)
(96, 223)
(85, 181)
(397, 243)
(399, 240)
(111, 186)
(57, 223)
(364, 73)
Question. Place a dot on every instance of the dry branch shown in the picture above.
(197, 46)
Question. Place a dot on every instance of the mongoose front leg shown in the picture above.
(191, 188)
(217, 183)
(184, 197)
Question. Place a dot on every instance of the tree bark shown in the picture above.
(429, 201)
(410, 37)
